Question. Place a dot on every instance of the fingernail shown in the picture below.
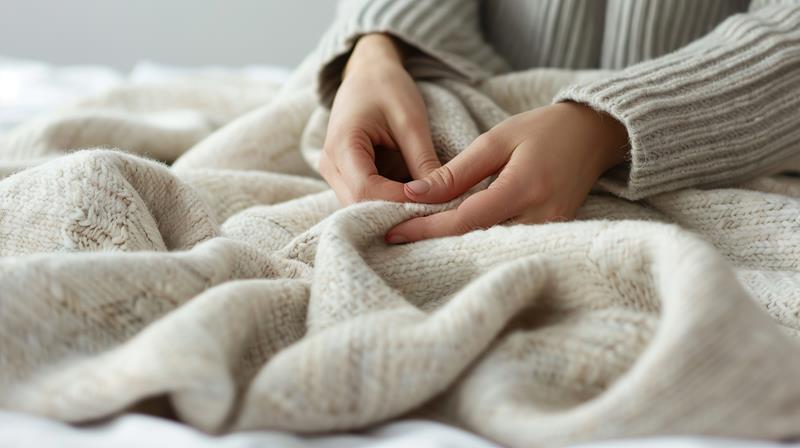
(396, 239)
(418, 186)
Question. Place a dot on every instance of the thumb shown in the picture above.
(442, 185)
(480, 160)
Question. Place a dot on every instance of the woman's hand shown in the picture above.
(548, 159)
(378, 129)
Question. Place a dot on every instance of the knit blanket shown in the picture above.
(171, 249)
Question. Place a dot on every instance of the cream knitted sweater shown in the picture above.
(716, 112)
(231, 288)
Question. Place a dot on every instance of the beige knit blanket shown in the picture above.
(231, 286)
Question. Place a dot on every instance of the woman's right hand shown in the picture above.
(378, 112)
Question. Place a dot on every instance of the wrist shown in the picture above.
(609, 137)
(618, 144)
(374, 50)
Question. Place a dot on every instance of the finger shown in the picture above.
(484, 157)
(484, 209)
(355, 161)
(413, 135)
(543, 203)
(333, 177)
(355, 157)
(378, 187)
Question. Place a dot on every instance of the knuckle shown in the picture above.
(467, 223)
(428, 163)
(408, 117)
(488, 141)
(361, 192)
(444, 176)
(538, 190)
(404, 120)
(353, 137)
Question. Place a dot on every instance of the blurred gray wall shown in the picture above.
(184, 32)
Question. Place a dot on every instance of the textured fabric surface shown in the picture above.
(230, 290)
(715, 112)
(610, 34)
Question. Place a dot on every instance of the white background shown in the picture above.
(181, 32)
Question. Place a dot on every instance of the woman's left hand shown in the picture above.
(548, 160)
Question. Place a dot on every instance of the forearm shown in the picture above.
(715, 113)
(444, 34)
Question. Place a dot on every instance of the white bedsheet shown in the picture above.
(30, 88)
(18, 430)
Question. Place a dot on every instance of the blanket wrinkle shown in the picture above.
(175, 241)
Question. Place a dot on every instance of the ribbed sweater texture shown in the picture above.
(709, 91)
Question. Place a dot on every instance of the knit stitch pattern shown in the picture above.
(231, 287)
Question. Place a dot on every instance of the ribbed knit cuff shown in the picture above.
(717, 112)
(446, 32)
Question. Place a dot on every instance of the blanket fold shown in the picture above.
(224, 276)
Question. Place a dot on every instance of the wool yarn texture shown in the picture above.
(172, 247)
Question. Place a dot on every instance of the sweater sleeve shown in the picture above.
(717, 112)
(446, 35)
